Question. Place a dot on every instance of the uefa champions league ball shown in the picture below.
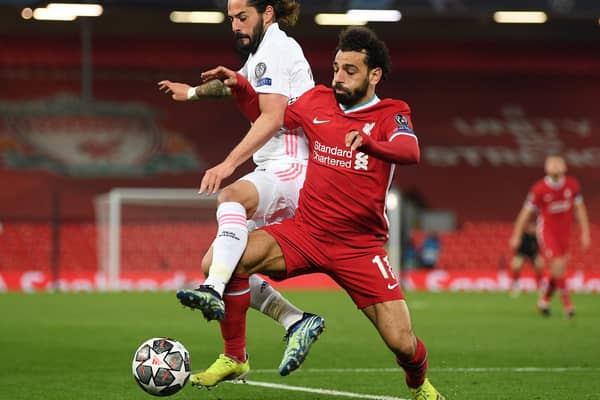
(161, 366)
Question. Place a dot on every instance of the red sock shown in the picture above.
(416, 368)
(561, 285)
(549, 290)
(538, 278)
(233, 326)
(515, 275)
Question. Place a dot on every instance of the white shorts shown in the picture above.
(278, 186)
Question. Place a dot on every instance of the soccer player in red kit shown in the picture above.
(340, 226)
(556, 197)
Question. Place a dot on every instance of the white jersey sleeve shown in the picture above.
(279, 66)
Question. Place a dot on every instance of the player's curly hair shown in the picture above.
(363, 39)
(286, 11)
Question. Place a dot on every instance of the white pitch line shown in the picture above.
(473, 369)
(323, 391)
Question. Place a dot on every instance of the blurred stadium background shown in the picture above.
(81, 115)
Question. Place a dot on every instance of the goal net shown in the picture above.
(148, 236)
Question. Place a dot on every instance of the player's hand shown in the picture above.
(221, 73)
(354, 140)
(586, 241)
(211, 182)
(179, 90)
(514, 242)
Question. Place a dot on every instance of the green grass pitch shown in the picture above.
(481, 346)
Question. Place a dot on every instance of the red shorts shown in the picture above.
(553, 246)
(364, 273)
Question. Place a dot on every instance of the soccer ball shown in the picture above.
(161, 366)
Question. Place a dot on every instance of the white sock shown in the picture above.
(270, 302)
(228, 246)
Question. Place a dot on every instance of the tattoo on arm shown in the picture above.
(214, 88)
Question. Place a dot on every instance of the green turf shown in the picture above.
(79, 346)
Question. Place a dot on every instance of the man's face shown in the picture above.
(555, 167)
(351, 83)
(247, 26)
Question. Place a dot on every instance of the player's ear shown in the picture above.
(375, 76)
(269, 14)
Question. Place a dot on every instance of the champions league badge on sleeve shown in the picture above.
(402, 124)
(259, 71)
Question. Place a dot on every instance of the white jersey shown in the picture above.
(279, 66)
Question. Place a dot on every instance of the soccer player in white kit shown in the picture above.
(278, 71)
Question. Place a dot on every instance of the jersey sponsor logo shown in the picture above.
(263, 82)
(260, 70)
(332, 155)
(340, 157)
(368, 128)
(568, 193)
(559, 206)
(392, 286)
(548, 198)
(318, 121)
(402, 124)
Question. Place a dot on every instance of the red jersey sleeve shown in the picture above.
(246, 98)
(297, 108)
(576, 189)
(534, 197)
(397, 142)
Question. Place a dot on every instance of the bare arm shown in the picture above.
(524, 216)
(584, 223)
(184, 92)
(270, 120)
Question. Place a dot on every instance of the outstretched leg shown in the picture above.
(233, 364)
(392, 320)
(303, 329)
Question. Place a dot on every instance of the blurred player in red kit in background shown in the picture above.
(556, 197)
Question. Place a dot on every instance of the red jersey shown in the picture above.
(345, 191)
(554, 203)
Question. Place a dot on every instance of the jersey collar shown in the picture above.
(552, 184)
(372, 101)
(272, 30)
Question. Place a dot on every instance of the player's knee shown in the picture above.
(228, 194)
(246, 266)
(403, 344)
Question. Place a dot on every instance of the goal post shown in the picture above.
(394, 206)
(149, 219)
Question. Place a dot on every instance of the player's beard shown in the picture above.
(253, 40)
(348, 97)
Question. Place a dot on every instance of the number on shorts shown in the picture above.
(384, 267)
